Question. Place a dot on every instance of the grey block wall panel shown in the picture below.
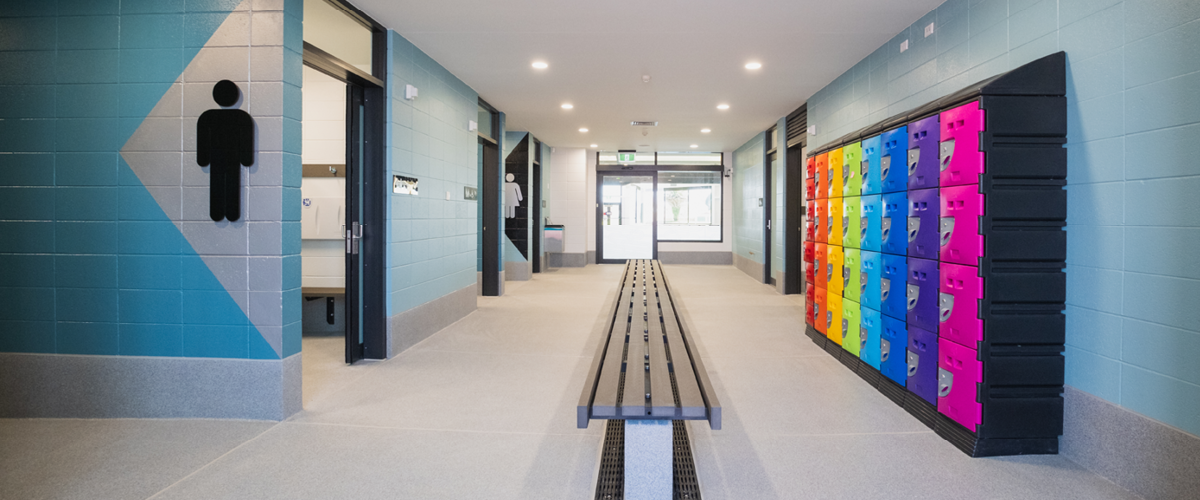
(567, 259)
(703, 258)
(518, 271)
(414, 325)
(751, 268)
(58, 386)
(1147, 457)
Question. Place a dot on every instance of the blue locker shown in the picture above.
(872, 152)
(893, 342)
(893, 222)
(893, 170)
(871, 223)
(870, 331)
(892, 285)
(872, 270)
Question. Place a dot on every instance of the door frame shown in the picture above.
(601, 171)
(365, 310)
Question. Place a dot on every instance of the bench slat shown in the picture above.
(706, 388)
(691, 403)
(662, 401)
(633, 403)
(583, 410)
(604, 405)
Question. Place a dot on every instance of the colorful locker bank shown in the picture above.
(872, 152)
(869, 226)
(869, 333)
(852, 170)
(956, 311)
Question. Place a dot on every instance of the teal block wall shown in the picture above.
(432, 240)
(748, 238)
(1133, 330)
(88, 256)
(779, 201)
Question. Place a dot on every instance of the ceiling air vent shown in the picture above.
(644, 124)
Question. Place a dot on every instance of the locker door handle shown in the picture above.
(353, 238)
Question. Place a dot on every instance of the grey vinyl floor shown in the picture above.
(486, 409)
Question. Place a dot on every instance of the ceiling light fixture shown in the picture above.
(540, 65)
(583, 130)
(595, 145)
(568, 106)
(753, 65)
(694, 146)
(722, 106)
(705, 131)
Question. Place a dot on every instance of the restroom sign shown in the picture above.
(625, 157)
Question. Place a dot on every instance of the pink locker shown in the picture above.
(961, 159)
(959, 374)
(958, 225)
(959, 291)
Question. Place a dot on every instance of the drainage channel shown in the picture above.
(611, 481)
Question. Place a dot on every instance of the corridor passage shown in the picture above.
(486, 409)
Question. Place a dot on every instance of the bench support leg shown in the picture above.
(649, 459)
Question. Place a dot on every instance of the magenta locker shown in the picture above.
(960, 210)
(958, 304)
(959, 375)
(961, 159)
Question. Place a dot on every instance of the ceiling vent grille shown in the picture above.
(644, 124)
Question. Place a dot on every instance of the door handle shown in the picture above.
(353, 238)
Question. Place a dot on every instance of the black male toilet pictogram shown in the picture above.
(225, 142)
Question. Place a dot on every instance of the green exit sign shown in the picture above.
(625, 158)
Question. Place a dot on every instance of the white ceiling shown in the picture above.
(694, 52)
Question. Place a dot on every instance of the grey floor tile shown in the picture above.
(302, 461)
(110, 459)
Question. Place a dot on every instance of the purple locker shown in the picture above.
(958, 304)
(958, 225)
(923, 161)
(922, 363)
(921, 294)
(922, 224)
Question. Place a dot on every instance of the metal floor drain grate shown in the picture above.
(687, 485)
(611, 482)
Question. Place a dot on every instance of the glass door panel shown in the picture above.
(627, 216)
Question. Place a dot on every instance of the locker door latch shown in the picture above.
(946, 150)
(945, 382)
(914, 360)
(945, 306)
(914, 293)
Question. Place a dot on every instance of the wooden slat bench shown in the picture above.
(647, 366)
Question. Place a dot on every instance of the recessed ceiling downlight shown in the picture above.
(722, 106)
(540, 65)
(705, 130)
(753, 65)
(694, 146)
(583, 130)
(595, 145)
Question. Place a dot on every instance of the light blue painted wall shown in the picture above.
(779, 200)
(432, 241)
(748, 237)
(89, 262)
(1133, 325)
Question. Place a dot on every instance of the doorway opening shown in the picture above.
(342, 192)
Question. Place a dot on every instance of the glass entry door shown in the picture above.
(626, 208)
